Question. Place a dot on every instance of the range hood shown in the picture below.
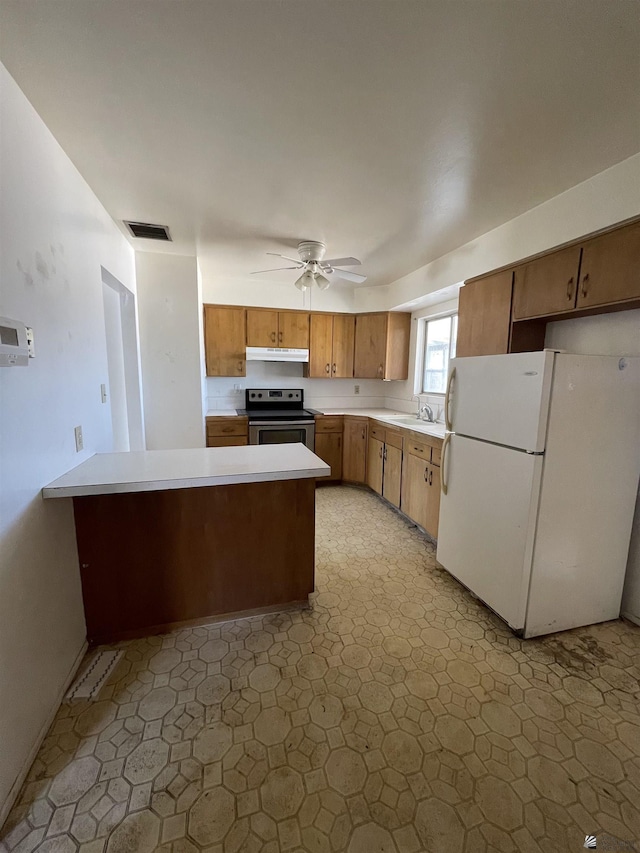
(277, 354)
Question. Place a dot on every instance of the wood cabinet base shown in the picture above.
(151, 560)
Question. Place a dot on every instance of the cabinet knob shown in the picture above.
(585, 279)
(280, 336)
(333, 369)
(380, 453)
(273, 337)
(240, 366)
(363, 434)
(570, 288)
(380, 370)
(327, 367)
(430, 477)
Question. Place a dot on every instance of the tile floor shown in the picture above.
(396, 715)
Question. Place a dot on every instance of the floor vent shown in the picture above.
(92, 675)
(148, 231)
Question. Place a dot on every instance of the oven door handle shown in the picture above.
(281, 423)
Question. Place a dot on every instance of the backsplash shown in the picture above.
(228, 392)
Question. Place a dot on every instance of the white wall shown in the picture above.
(608, 334)
(264, 293)
(609, 197)
(170, 318)
(54, 238)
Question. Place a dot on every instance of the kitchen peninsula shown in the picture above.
(171, 537)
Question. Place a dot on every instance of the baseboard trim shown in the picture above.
(631, 617)
(6, 807)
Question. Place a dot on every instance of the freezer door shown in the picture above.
(487, 520)
(501, 398)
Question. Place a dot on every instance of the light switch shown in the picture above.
(103, 393)
(79, 439)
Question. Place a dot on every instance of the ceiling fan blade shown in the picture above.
(277, 269)
(349, 276)
(342, 262)
(285, 257)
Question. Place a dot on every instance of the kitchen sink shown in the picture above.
(417, 423)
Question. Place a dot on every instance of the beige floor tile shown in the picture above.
(394, 715)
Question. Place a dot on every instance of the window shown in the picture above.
(439, 347)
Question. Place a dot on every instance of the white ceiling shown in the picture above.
(394, 130)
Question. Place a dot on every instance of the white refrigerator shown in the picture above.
(539, 475)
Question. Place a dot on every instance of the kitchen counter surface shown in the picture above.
(222, 413)
(158, 470)
(389, 416)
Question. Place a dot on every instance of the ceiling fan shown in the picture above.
(315, 268)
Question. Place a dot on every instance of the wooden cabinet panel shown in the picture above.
(392, 474)
(432, 514)
(293, 329)
(329, 423)
(610, 270)
(227, 441)
(354, 450)
(320, 346)
(227, 426)
(418, 448)
(414, 488)
(225, 340)
(344, 329)
(370, 346)
(393, 438)
(262, 328)
(397, 353)
(377, 431)
(547, 285)
(484, 316)
(328, 447)
(375, 449)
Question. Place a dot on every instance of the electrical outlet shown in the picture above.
(103, 393)
(79, 439)
(30, 345)
(237, 387)
(356, 389)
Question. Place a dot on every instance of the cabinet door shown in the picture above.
(432, 514)
(320, 345)
(546, 285)
(328, 447)
(224, 341)
(392, 476)
(354, 454)
(375, 449)
(293, 329)
(484, 316)
(344, 329)
(415, 487)
(370, 346)
(262, 328)
(610, 270)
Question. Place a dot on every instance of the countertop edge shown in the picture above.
(188, 483)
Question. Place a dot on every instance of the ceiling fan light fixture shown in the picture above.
(305, 281)
(322, 282)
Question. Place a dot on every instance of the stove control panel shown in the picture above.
(277, 395)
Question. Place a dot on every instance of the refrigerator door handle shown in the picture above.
(444, 486)
(447, 420)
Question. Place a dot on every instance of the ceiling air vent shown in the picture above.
(148, 231)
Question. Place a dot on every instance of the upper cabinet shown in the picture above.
(547, 285)
(224, 340)
(484, 315)
(277, 328)
(331, 340)
(382, 346)
(610, 270)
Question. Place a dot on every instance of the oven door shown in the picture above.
(282, 432)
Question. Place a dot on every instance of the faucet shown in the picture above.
(427, 414)
(419, 412)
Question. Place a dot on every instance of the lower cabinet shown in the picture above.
(227, 431)
(392, 474)
(328, 444)
(421, 492)
(375, 450)
(354, 449)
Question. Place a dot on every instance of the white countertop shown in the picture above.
(222, 413)
(157, 470)
(387, 416)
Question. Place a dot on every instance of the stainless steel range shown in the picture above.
(278, 416)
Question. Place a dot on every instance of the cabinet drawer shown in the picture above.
(419, 448)
(393, 438)
(376, 431)
(329, 423)
(226, 441)
(227, 426)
